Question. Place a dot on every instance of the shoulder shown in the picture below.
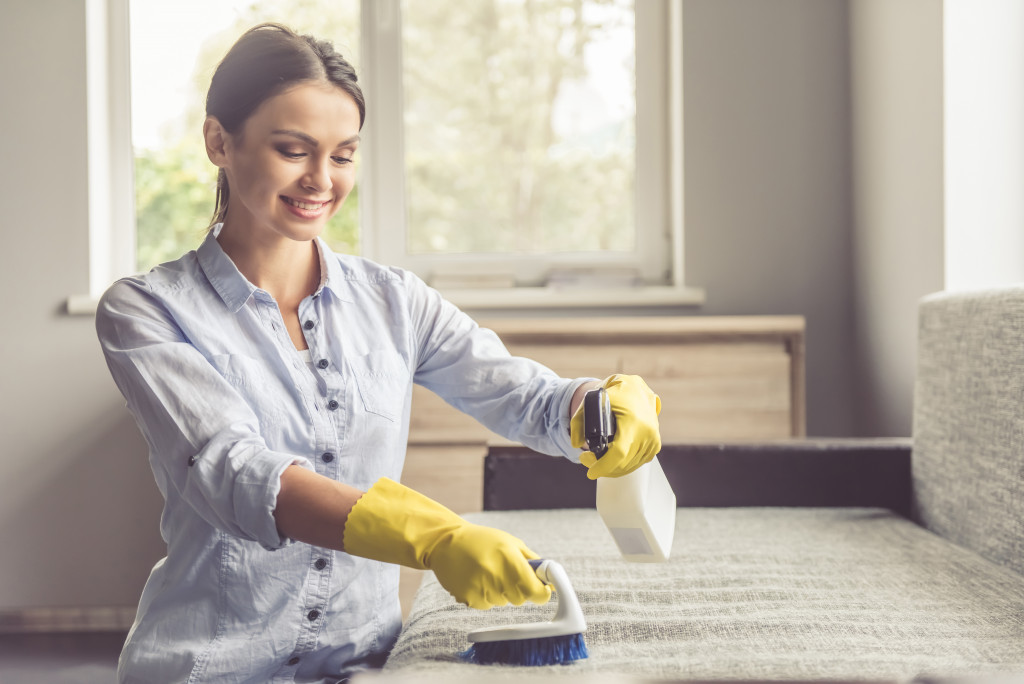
(395, 294)
(362, 274)
(166, 277)
(145, 294)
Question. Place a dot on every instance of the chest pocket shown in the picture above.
(259, 388)
(382, 379)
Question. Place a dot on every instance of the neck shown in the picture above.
(289, 270)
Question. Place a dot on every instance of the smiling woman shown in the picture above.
(282, 125)
(272, 379)
(277, 160)
(254, 71)
(284, 184)
(172, 175)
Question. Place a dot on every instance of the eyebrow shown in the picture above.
(305, 137)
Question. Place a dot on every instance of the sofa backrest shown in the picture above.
(968, 458)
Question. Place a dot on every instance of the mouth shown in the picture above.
(307, 206)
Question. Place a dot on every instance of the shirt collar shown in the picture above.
(235, 289)
(331, 275)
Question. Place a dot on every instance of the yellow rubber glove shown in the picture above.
(637, 435)
(480, 566)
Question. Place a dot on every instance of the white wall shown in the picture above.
(938, 131)
(78, 507)
(768, 187)
(896, 63)
(984, 142)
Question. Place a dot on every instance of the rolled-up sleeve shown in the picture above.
(204, 439)
(470, 368)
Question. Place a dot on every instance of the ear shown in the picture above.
(217, 141)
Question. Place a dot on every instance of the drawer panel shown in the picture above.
(728, 384)
(723, 408)
(575, 361)
(707, 360)
(449, 474)
(434, 421)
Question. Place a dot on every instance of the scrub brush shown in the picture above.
(559, 641)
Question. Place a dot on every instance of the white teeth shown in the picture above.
(303, 205)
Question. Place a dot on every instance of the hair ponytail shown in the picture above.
(220, 207)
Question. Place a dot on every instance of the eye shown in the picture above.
(288, 153)
(341, 161)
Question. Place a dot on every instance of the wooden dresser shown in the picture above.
(720, 378)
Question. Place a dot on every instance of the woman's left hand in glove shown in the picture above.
(637, 436)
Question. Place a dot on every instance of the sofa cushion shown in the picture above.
(752, 593)
(968, 460)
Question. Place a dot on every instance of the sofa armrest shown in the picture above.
(811, 472)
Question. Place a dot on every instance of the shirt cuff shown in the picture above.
(259, 483)
(563, 439)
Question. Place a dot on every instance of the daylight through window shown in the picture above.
(504, 136)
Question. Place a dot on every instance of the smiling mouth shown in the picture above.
(308, 206)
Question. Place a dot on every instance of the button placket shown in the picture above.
(310, 323)
(332, 394)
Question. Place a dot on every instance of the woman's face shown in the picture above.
(290, 168)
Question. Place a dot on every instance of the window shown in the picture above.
(542, 145)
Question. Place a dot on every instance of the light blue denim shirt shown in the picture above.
(226, 403)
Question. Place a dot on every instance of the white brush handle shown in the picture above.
(568, 615)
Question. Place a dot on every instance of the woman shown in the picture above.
(272, 380)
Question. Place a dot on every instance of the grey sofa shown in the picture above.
(883, 560)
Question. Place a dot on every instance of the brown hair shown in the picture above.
(263, 62)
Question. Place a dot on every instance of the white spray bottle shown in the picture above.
(639, 509)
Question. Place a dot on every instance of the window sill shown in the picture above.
(81, 305)
(522, 298)
(589, 298)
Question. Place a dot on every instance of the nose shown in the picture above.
(318, 176)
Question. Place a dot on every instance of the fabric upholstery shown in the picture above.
(752, 593)
(968, 460)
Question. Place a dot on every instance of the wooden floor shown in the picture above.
(67, 658)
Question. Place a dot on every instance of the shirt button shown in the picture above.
(332, 405)
(327, 457)
(320, 564)
(309, 325)
(322, 363)
(191, 461)
(313, 615)
(293, 662)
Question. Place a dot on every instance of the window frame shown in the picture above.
(110, 171)
(659, 197)
(659, 181)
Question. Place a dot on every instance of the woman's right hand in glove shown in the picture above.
(480, 566)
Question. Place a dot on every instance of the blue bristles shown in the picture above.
(557, 642)
(559, 650)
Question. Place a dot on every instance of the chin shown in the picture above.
(302, 231)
